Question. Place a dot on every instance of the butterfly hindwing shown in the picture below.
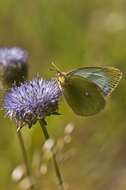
(83, 96)
(107, 78)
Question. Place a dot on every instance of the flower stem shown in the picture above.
(25, 158)
(57, 170)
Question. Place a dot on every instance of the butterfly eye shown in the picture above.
(59, 74)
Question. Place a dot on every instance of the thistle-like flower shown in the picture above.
(13, 65)
(32, 101)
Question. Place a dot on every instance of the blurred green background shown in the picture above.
(72, 34)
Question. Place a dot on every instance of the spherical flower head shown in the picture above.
(13, 65)
(32, 101)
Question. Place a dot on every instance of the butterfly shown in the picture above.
(86, 89)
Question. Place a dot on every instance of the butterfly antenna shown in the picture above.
(55, 68)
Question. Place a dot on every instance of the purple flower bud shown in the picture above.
(32, 101)
(13, 65)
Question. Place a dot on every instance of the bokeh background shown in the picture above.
(72, 34)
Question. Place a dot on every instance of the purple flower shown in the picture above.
(32, 101)
(13, 65)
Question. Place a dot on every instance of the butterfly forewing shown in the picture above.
(83, 96)
(107, 78)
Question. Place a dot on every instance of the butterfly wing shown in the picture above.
(83, 96)
(107, 78)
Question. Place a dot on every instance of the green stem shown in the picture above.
(57, 170)
(25, 158)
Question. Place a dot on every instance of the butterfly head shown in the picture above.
(61, 76)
